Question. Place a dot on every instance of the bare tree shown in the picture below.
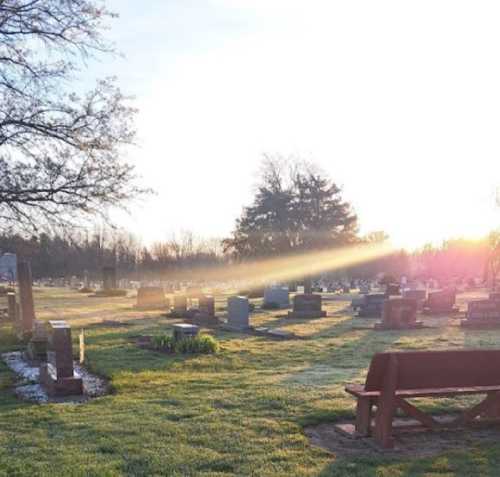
(59, 150)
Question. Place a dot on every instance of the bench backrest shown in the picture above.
(436, 369)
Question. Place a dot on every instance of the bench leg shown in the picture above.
(363, 416)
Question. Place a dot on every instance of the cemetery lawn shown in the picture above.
(239, 412)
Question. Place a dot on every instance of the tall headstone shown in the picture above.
(238, 311)
(307, 286)
(57, 374)
(109, 278)
(206, 305)
(11, 306)
(27, 305)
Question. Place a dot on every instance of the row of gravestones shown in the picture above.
(49, 343)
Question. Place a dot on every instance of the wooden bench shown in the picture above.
(393, 378)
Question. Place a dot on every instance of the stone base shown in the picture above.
(443, 311)
(480, 323)
(228, 327)
(306, 314)
(379, 326)
(60, 387)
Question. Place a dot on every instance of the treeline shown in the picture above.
(73, 255)
(59, 256)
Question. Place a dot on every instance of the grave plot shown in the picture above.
(482, 314)
(46, 372)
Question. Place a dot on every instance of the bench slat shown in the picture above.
(359, 391)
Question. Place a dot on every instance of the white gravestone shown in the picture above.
(238, 310)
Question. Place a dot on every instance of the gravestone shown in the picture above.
(27, 306)
(372, 305)
(392, 289)
(206, 306)
(276, 297)
(57, 374)
(419, 295)
(442, 301)
(151, 297)
(399, 313)
(238, 311)
(494, 295)
(482, 313)
(185, 330)
(37, 346)
(307, 306)
(11, 307)
(109, 278)
(180, 306)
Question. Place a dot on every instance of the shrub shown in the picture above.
(204, 344)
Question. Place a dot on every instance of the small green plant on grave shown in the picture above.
(201, 344)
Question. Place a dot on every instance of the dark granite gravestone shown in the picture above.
(372, 305)
(306, 306)
(185, 330)
(151, 297)
(419, 295)
(399, 313)
(109, 278)
(442, 301)
(57, 374)
(27, 306)
(482, 313)
(11, 307)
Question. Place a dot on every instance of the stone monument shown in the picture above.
(399, 313)
(307, 305)
(27, 305)
(276, 297)
(11, 307)
(151, 297)
(238, 313)
(57, 374)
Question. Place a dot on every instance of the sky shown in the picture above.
(398, 101)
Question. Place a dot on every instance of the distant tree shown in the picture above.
(59, 150)
(296, 208)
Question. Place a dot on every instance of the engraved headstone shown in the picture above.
(185, 330)
(151, 297)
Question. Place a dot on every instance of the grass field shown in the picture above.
(240, 412)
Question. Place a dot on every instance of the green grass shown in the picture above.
(238, 412)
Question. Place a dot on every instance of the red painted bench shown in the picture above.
(393, 378)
